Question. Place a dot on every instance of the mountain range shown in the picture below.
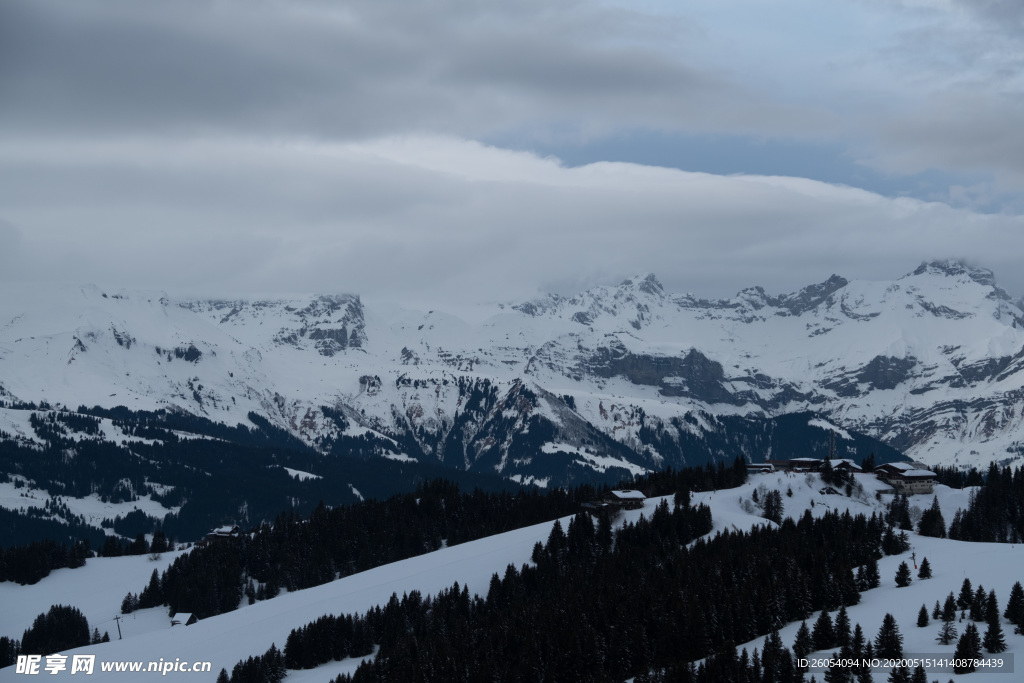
(613, 381)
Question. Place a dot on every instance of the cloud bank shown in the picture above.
(438, 217)
(387, 147)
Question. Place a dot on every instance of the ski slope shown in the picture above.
(250, 630)
(223, 640)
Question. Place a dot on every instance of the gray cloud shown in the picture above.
(438, 219)
(10, 245)
(356, 70)
(1004, 15)
(966, 130)
(953, 70)
(311, 145)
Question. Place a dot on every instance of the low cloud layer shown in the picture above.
(433, 219)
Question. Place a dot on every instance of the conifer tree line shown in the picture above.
(956, 477)
(30, 562)
(594, 606)
(240, 467)
(54, 521)
(295, 553)
(62, 627)
(27, 564)
(995, 512)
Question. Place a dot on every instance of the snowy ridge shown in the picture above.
(930, 363)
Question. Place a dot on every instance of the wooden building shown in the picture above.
(183, 619)
(906, 478)
(620, 499)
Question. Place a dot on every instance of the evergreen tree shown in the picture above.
(872, 577)
(932, 523)
(920, 675)
(904, 543)
(978, 605)
(857, 642)
(947, 632)
(864, 673)
(129, 604)
(140, 546)
(803, 645)
(968, 649)
(993, 640)
(151, 595)
(824, 635)
(274, 668)
(1015, 605)
(991, 607)
(836, 673)
(60, 628)
(159, 544)
(899, 674)
(222, 677)
(842, 627)
(9, 649)
(966, 595)
(903, 575)
(937, 611)
(772, 506)
(922, 617)
(889, 641)
(949, 608)
(925, 572)
(899, 513)
(775, 658)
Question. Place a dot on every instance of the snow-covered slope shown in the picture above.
(251, 629)
(929, 363)
(98, 588)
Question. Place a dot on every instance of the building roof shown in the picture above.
(626, 494)
(918, 474)
(181, 618)
(897, 466)
(845, 462)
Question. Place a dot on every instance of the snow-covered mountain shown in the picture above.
(620, 378)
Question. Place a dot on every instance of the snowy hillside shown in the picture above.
(98, 588)
(628, 377)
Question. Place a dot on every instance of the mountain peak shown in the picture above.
(812, 295)
(648, 284)
(956, 267)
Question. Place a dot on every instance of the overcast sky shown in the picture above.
(466, 149)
